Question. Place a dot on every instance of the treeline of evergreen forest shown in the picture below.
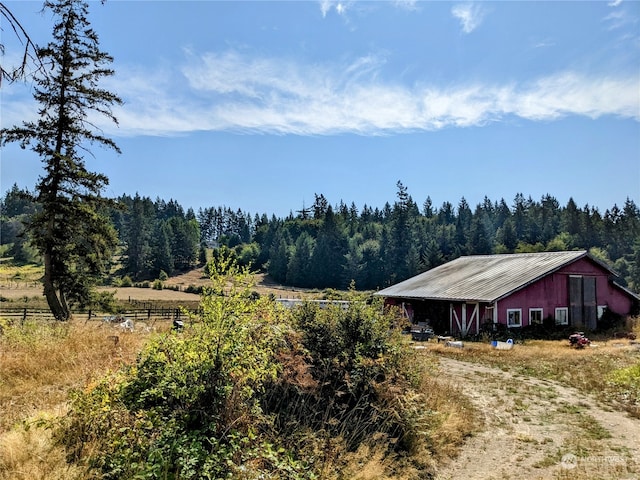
(331, 246)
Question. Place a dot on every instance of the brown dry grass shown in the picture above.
(40, 363)
(20, 287)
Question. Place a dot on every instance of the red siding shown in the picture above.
(551, 292)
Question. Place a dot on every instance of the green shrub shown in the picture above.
(624, 384)
(104, 302)
(356, 357)
(163, 276)
(157, 284)
(251, 390)
(126, 281)
(190, 407)
(193, 289)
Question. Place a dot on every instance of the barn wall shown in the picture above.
(551, 292)
(607, 294)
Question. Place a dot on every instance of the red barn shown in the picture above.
(516, 290)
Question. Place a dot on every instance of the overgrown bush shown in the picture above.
(193, 289)
(625, 383)
(190, 407)
(104, 302)
(359, 367)
(248, 392)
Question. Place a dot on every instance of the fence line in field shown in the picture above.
(143, 311)
(22, 314)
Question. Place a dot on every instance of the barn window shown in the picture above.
(601, 311)
(514, 317)
(535, 316)
(562, 316)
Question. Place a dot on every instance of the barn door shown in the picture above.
(583, 307)
(590, 310)
(575, 300)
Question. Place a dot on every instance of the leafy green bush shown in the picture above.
(193, 289)
(250, 390)
(104, 301)
(126, 281)
(624, 384)
(157, 284)
(190, 407)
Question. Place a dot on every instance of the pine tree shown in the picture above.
(75, 239)
(402, 257)
(278, 257)
(479, 243)
(137, 234)
(298, 270)
(328, 259)
(161, 254)
(185, 236)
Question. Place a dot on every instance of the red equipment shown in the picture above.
(578, 340)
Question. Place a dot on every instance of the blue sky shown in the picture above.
(261, 105)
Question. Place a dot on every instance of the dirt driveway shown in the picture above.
(539, 429)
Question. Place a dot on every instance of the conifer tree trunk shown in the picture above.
(53, 301)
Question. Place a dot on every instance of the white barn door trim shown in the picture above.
(463, 325)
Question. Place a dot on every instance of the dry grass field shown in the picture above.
(40, 364)
(22, 283)
(542, 410)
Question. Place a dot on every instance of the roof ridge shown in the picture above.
(524, 254)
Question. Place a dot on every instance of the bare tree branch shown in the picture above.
(30, 51)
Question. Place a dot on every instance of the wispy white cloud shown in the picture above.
(231, 91)
(325, 6)
(620, 18)
(469, 14)
(614, 3)
(339, 6)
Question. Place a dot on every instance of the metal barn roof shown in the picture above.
(482, 278)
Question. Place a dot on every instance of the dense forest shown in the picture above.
(332, 246)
